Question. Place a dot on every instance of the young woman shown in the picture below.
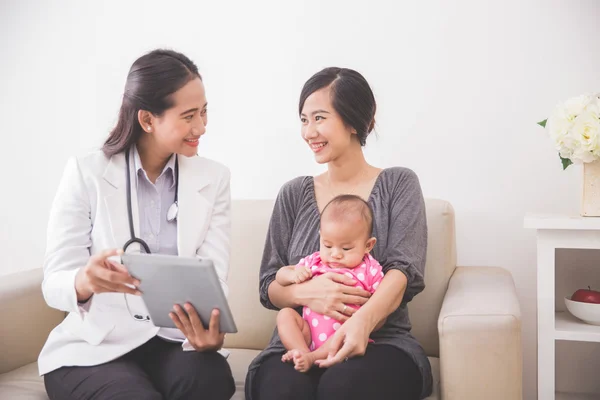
(337, 110)
(146, 182)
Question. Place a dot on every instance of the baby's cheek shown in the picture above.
(355, 259)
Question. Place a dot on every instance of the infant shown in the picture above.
(346, 229)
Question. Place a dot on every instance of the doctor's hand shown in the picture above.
(188, 322)
(102, 275)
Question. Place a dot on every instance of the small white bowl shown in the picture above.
(587, 312)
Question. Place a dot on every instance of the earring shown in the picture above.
(149, 128)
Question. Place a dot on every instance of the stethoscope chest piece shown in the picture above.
(172, 212)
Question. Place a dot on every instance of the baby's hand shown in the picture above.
(302, 274)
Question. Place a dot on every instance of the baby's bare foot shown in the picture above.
(302, 361)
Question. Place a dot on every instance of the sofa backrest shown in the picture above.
(424, 309)
(250, 220)
(249, 224)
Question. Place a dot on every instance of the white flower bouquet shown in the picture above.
(574, 128)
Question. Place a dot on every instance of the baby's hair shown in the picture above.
(345, 205)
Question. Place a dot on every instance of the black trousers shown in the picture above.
(156, 370)
(383, 373)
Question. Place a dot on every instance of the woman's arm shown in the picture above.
(68, 241)
(275, 254)
(284, 296)
(404, 263)
(384, 301)
(286, 277)
(326, 294)
(407, 236)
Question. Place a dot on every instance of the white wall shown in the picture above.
(460, 87)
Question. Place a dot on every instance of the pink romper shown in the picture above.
(368, 276)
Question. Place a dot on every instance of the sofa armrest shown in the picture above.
(26, 319)
(480, 336)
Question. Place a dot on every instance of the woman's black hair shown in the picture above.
(151, 81)
(351, 97)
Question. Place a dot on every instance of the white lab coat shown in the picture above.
(89, 215)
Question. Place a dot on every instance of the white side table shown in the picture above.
(558, 232)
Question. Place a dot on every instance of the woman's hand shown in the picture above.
(102, 275)
(350, 340)
(333, 294)
(189, 323)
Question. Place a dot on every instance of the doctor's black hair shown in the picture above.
(151, 81)
(351, 97)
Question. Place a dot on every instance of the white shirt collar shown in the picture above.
(137, 164)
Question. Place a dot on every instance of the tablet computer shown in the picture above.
(166, 280)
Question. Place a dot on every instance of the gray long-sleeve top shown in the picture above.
(400, 227)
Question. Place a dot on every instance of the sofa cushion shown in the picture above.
(435, 369)
(23, 304)
(239, 359)
(25, 384)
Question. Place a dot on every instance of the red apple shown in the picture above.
(586, 296)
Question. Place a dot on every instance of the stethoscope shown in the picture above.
(171, 213)
(171, 216)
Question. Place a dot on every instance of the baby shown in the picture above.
(345, 242)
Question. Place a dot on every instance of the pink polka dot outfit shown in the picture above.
(368, 276)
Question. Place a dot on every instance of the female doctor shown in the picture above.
(146, 183)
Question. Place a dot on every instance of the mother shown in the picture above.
(337, 110)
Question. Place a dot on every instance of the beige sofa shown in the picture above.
(468, 318)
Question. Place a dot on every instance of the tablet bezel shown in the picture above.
(166, 280)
